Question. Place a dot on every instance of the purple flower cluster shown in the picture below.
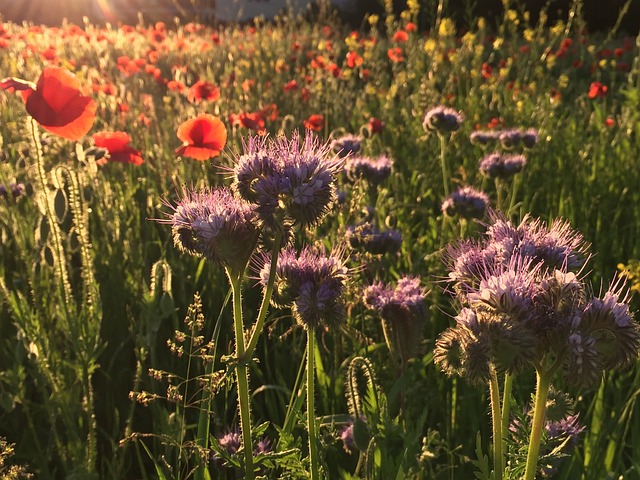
(373, 170)
(15, 189)
(403, 312)
(289, 180)
(442, 119)
(523, 298)
(496, 165)
(368, 238)
(347, 145)
(215, 224)
(466, 202)
(509, 138)
(311, 283)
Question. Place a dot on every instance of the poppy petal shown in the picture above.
(59, 106)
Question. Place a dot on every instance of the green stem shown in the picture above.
(498, 458)
(266, 298)
(202, 438)
(443, 165)
(311, 417)
(506, 407)
(543, 379)
(242, 376)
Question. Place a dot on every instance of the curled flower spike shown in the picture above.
(216, 225)
(291, 181)
(311, 283)
(442, 119)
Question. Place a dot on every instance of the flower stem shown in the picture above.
(506, 408)
(543, 379)
(266, 298)
(311, 417)
(443, 164)
(242, 376)
(498, 458)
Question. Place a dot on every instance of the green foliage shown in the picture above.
(91, 289)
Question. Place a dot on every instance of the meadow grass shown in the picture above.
(94, 291)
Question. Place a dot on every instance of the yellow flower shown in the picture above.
(482, 23)
(447, 28)
(512, 16)
(430, 45)
(563, 81)
(373, 20)
(529, 35)
(497, 43)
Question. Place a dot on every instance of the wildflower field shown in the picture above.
(290, 249)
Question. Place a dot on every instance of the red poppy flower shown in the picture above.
(400, 36)
(117, 144)
(314, 122)
(252, 121)
(395, 54)
(354, 60)
(56, 102)
(376, 125)
(596, 89)
(202, 137)
(203, 90)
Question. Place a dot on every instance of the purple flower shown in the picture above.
(374, 170)
(442, 119)
(290, 180)
(368, 238)
(466, 202)
(347, 145)
(214, 224)
(230, 441)
(523, 298)
(311, 283)
(484, 137)
(496, 165)
(510, 138)
(403, 312)
(529, 138)
(346, 435)
(16, 189)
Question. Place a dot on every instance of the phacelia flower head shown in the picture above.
(311, 283)
(368, 238)
(466, 202)
(289, 180)
(374, 170)
(443, 120)
(347, 145)
(403, 312)
(529, 138)
(484, 137)
(215, 224)
(496, 165)
(524, 298)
